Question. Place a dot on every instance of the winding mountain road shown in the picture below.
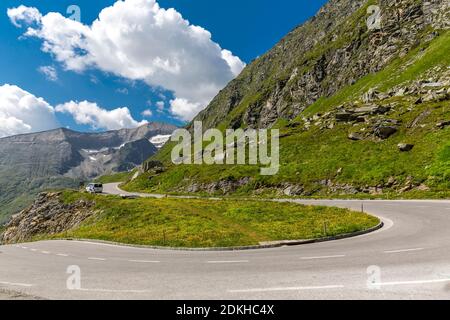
(409, 258)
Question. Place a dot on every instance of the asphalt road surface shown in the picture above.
(409, 258)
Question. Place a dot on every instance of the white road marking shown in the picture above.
(45, 252)
(143, 261)
(98, 259)
(398, 283)
(16, 284)
(25, 248)
(34, 250)
(113, 291)
(323, 257)
(404, 250)
(62, 255)
(235, 261)
(286, 289)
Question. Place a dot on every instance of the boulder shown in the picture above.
(384, 132)
(355, 136)
(405, 147)
(345, 116)
(370, 96)
(443, 124)
(372, 109)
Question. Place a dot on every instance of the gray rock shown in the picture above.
(384, 132)
(405, 147)
(443, 124)
(345, 116)
(355, 136)
(48, 215)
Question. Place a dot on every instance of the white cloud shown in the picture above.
(24, 14)
(49, 72)
(122, 91)
(89, 113)
(184, 109)
(22, 112)
(160, 106)
(234, 62)
(147, 113)
(138, 40)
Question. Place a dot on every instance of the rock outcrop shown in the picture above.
(46, 216)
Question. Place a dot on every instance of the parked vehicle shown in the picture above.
(94, 188)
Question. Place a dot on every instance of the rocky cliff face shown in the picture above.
(48, 215)
(332, 50)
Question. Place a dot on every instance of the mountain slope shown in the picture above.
(344, 98)
(64, 158)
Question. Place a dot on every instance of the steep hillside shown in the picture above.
(362, 112)
(64, 158)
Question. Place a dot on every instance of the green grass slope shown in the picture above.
(207, 223)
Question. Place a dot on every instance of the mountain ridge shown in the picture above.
(57, 158)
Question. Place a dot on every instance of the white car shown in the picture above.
(94, 188)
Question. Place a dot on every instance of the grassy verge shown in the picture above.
(207, 223)
(116, 177)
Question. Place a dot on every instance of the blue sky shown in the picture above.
(246, 28)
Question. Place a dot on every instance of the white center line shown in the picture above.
(404, 250)
(34, 250)
(398, 283)
(144, 261)
(98, 259)
(286, 289)
(62, 255)
(323, 257)
(45, 252)
(235, 261)
(16, 284)
(113, 291)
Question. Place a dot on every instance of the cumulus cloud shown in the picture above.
(22, 112)
(89, 113)
(25, 14)
(147, 113)
(49, 72)
(139, 40)
(184, 109)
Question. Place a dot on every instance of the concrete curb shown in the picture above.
(268, 245)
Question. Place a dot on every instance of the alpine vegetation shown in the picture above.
(230, 149)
